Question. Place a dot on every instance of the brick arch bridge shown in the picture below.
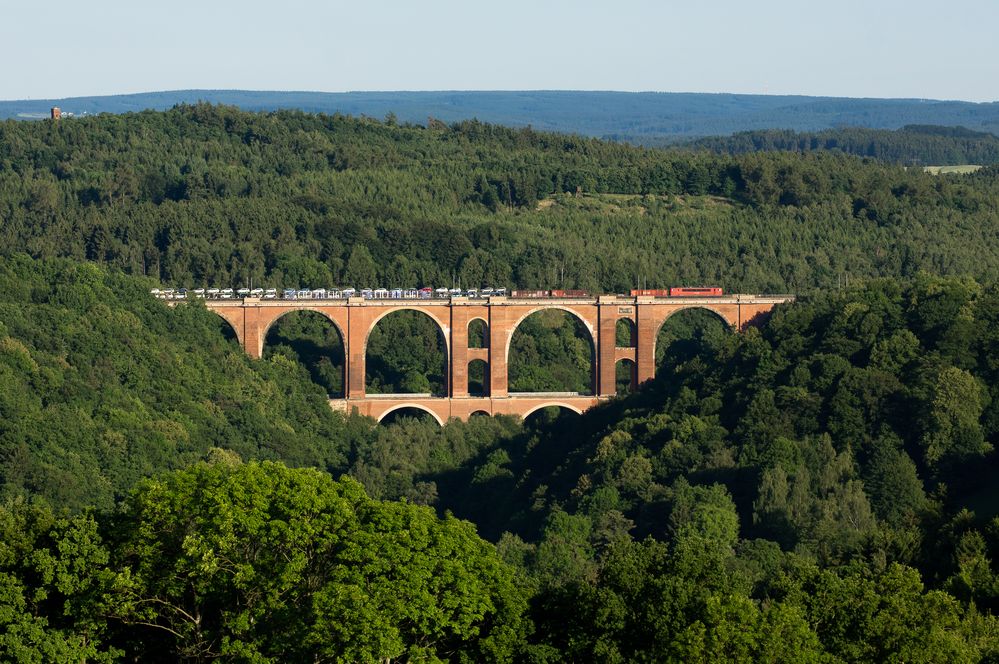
(354, 319)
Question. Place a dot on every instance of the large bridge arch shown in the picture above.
(370, 322)
(726, 321)
(313, 337)
(234, 318)
(252, 323)
(443, 324)
(341, 327)
(729, 322)
(589, 324)
(585, 316)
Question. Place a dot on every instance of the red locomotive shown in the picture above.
(678, 291)
(698, 291)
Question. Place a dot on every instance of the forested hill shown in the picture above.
(912, 145)
(637, 117)
(823, 482)
(820, 489)
(214, 195)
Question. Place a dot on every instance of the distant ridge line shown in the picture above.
(639, 117)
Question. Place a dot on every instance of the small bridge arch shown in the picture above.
(477, 332)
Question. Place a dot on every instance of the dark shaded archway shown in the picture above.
(548, 415)
(409, 412)
(626, 376)
(551, 351)
(478, 378)
(226, 327)
(313, 340)
(406, 353)
(686, 334)
(228, 331)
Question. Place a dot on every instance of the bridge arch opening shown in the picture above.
(549, 413)
(478, 333)
(227, 330)
(313, 340)
(402, 412)
(625, 333)
(406, 353)
(478, 413)
(626, 376)
(688, 333)
(478, 378)
(551, 350)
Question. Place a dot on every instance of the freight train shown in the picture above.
(324, 293)
(412, 293)
(549, 293)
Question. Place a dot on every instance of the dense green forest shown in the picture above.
(825, 481)
(817, 489)
(208, 195)
(101, 386)
(912, 145)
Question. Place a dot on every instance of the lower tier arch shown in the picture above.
(412, 406)
(444, 409)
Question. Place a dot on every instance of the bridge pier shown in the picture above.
(498, 328)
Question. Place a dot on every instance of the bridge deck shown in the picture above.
(503, 301)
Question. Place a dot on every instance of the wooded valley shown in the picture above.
(820, 488)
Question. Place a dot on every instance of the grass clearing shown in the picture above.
(962, 169)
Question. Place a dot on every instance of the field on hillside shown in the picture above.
(962, 169)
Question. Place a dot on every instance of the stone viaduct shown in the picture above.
(355, 318)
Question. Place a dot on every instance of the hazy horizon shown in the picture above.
(890, 49)
(489, 90)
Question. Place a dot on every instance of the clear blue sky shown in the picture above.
(853, 48)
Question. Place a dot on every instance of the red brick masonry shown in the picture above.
(356, 317)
